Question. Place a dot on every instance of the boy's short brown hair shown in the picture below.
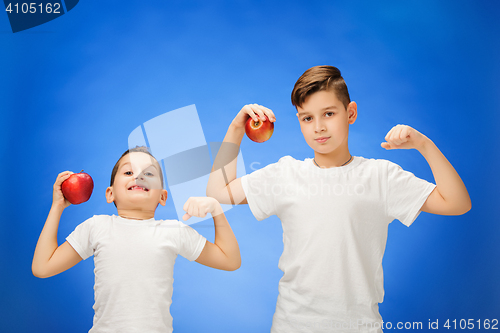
(137, 149)
(320, 78)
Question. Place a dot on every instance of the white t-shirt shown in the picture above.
(134, 267)
(335, 224)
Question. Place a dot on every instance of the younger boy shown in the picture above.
(335, 208)
(134, 254)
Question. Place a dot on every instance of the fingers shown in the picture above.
(198, 206)
(57, 195)
(404, 134)
(404, 137)
(64, 174)
(386, 145)
(398, 135)
(62, 177)
(259, 112)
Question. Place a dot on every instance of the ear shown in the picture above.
(109, 195)
(163, 197)
(352, 111)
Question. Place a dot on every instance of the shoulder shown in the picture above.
(286, 159)
(285, 162)
(97, 221)
(285, 166)
(101, 219)
(378, 163)
(178, 230)
(170, 223)
(379, 168)
(393, 173)
(288, 162)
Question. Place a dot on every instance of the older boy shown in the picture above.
(134, 254)
(335, 208)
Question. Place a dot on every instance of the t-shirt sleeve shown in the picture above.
(191, 243)
(260, 188)
(80, 239)
(406, 194)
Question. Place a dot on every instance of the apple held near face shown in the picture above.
(78, 188)
(259, 131)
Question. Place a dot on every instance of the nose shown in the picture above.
(140, 176)
(319, 126)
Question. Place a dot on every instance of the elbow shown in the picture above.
(467, 207)
(35, 271)
(461, 209)
(464, 207)
(234, 265)
(38, 273)
(237, 265)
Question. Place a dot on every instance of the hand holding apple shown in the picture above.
(78, 188)
(260, 130)
(254, 111)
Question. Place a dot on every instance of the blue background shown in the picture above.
(73, 89)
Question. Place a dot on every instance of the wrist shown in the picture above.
(426, 144)
(57, 208)
(236, 126)
(217, 209)
(235, 133)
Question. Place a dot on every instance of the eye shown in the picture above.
(149, 174)
(305, 119)
(330, 114)
(128, 173)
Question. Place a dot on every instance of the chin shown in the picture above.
(321, 149)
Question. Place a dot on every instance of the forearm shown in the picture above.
(226, 240)
(450, 186)
(224, 168)
(47, 242)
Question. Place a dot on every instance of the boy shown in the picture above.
(335, 208)
(134, 254)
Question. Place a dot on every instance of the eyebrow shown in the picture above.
(152, 164)
(323, 109)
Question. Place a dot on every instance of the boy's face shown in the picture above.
(324, 121)
(137, 183)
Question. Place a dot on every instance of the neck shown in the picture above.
(134, 214)
(332, 160)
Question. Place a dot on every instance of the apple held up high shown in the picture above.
(259, 131)
(78, 188)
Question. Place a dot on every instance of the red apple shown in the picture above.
(259, 131)
(78, 188)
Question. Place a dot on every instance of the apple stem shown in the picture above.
(81, 171)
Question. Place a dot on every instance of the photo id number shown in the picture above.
(471, 324)
(33, 8)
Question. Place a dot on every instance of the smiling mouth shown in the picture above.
(322, 139)
(137, 188)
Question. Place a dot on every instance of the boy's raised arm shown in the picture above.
(224, 252)
(222, 183)
(450, 197)
(50, 259)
